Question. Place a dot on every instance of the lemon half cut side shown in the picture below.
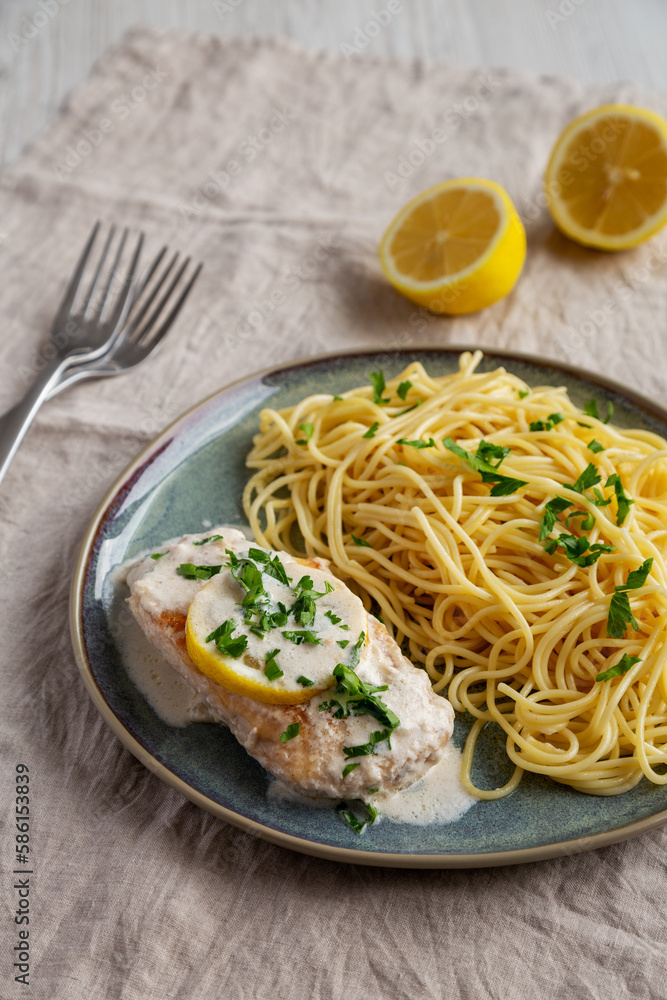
(606, 182)
(456, 247)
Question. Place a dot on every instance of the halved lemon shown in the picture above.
(606, 182)
(456, 247)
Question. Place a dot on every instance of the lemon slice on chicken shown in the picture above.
(288, 658)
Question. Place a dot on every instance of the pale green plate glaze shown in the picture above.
(194, 472)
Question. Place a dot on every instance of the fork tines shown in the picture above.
(106, 295)
(140, 309)
(156, 300)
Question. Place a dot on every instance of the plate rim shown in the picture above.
(302, 845)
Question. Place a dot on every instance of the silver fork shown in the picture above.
(116, 330)
(144, 327)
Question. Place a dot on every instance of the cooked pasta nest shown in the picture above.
(391, 483)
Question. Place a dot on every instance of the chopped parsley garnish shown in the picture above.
(551, 512)
(589, 477)
(409, 409)
(221, 631)
(256, 598)
(361, 542)
(366, 749)
(523, 393)
(222, 636)
(622, 500)
(274, 619)
(595, 447)
(591, 410)
(305, 586)
(343, 643)
(636, 577)
(158, 555)
(548, 424)
(503, 485)
(620, 613)
(298, 637)
(486, 450)
(307, 429)
(334, 619)
(352, 820)
(403, 389)
(356, 650)
(211, 538)
(303, 608)
(192, 572)
(578, 550)
(304, 681)
(358, 698)
(259, 555)
(371, 430)
(291, 731)
(620, 668)
(272, 670)
(350, 767)
(337, 399)
(379, 385)
(275, 568)
(588, 519)
(250, 578)
(599, 500)
(620, 616)
(417, 444)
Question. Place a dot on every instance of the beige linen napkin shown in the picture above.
(279, 169)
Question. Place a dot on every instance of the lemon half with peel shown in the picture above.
(606, 182)
(456, 247)
(285, 663)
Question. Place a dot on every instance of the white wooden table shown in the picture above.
(48, 46)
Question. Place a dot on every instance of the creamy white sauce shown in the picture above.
(119, 574)
(438, 797)
(170, 697)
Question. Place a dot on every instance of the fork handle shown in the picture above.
(75, 375)
(15, 422)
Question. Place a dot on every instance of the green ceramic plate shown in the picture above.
(194, 474)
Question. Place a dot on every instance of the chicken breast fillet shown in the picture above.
(313, 763)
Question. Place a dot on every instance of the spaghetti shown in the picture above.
(514, 543)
